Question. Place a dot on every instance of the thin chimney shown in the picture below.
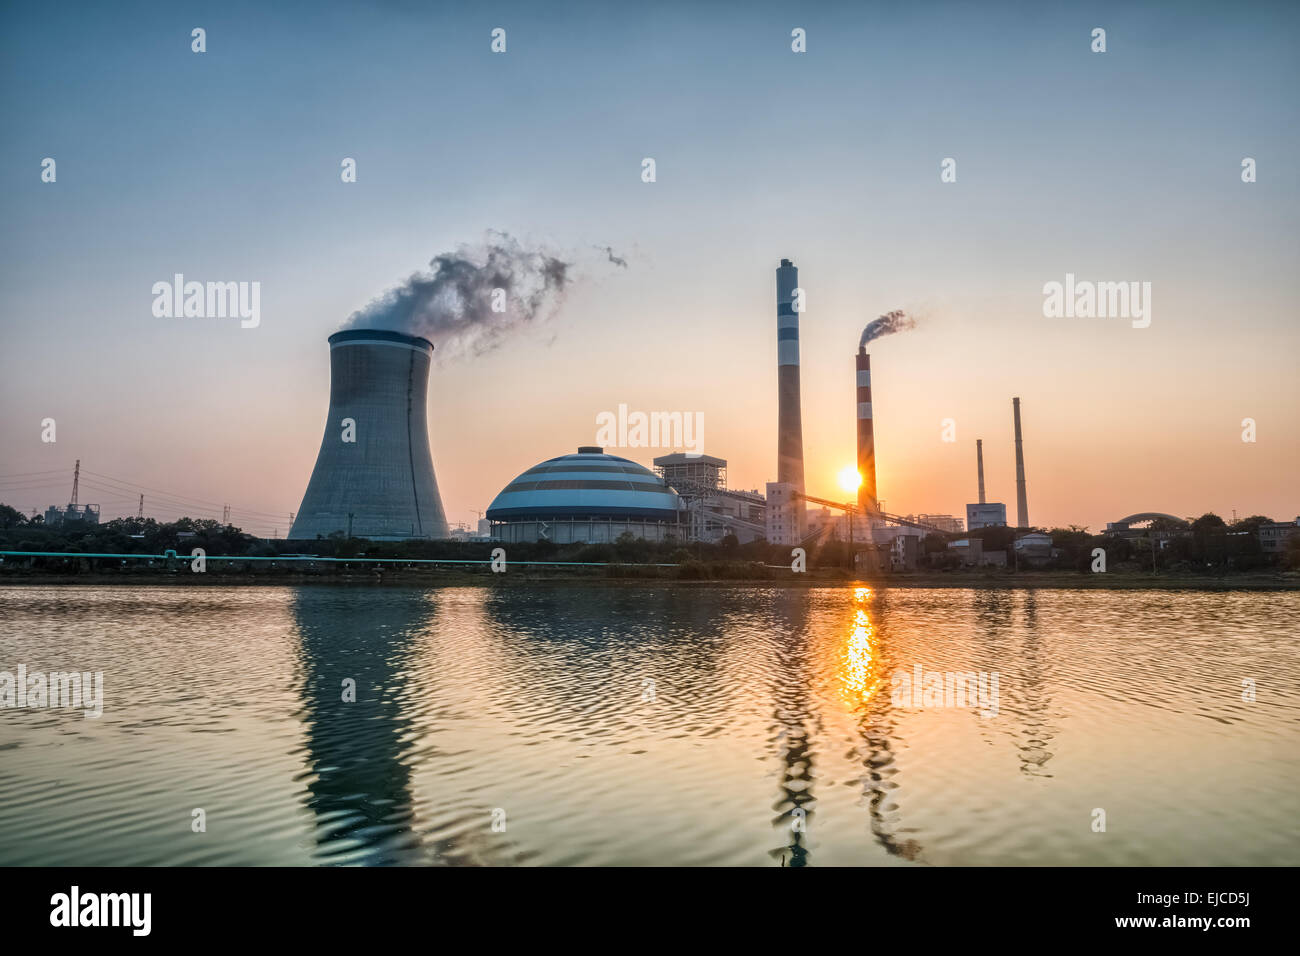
(1022, 505)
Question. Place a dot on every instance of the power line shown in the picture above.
(135, 488)
(118, 491)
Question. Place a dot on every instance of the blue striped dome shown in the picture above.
(588, 484)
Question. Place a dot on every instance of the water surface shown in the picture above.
(644, 725)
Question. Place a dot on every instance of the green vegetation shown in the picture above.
(1206, 546)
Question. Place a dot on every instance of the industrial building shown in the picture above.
(948, 524)
(785, 510)
(991, 515)
(972, 554)
(711, 509)
(1274, 536)
(1035, 548)
(374, 472)
(587, 497)
(72, 513)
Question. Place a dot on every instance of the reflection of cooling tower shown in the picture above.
(866, 436)
(1022, 505)
(374, 474)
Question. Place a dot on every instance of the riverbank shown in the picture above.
(661, 577)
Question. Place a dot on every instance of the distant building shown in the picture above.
(781, 518)
(946, 523)
(698, 470)
(904, 552)
(1035, 548)
(1273, 536)
(72, 514)
(711, 511)
(991, 515)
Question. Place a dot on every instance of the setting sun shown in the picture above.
(849, 478)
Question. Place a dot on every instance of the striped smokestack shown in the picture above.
(866, 435)
(1022, 504)
(789, 440)
(979, 462)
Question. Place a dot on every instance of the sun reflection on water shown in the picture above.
(862, 677)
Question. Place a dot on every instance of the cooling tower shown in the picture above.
(866, 436)
(789, 440)
(979, 463)
(1022, 505)
(374, 473)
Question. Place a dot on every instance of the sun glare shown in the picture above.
(849, 478)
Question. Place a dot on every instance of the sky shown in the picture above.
(225, 166)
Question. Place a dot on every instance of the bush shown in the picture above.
(692, 571)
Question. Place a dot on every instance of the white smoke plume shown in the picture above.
(453, 304)
(887, 324)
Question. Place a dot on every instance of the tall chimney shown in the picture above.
(789, 440)
(866, 436)
(374, 472)
(1022, 504)
(979, 460)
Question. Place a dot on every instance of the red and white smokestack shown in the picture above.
(789, 427)
(866, 436)
(979, 460)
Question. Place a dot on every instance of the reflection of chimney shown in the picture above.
(1022, 505)
(866, 436)
(979, 459)
(789, 440)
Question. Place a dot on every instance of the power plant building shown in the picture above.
(986, 515)
(586, 497)
(711, 509)
(374, 471)
(784, 517)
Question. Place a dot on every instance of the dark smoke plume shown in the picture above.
(452, 305)
(609, 251)
(887, 324)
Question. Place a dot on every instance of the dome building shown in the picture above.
(586, 497)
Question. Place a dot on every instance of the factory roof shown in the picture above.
(587, 484)
(685, 458)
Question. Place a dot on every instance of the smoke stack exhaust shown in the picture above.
(789, 442)
(866, 436)
(979, 461)
(374, 473)
(1022, 504)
